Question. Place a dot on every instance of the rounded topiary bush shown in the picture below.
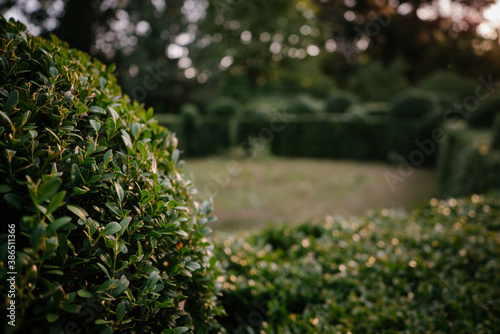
(485, 114)
(108, 236)
(340, 102)
(412, 104)
(448, 83)
(223, 106)
(303, 105)
(190, 115)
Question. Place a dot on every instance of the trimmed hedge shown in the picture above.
(223, 106)
(413, 104)
(349, 136)
(449, 84)
(303, 105)
(431, 270)
(108, 236)
(340, 102)
(466, 163)
(484, 115)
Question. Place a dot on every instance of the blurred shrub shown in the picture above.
(355, 135)
(485, 114)
(109, 238)
(189, 113)
(223, 106)
(190, 118)
(375, 82)
(302, 80)
(303, 104)
(376, 109)
(452, 85)
(262, 108)
(392, 271)
(466, 163)
(340, 102)
(495, 140)
(413, 104)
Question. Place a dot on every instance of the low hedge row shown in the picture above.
(431, 270)
(323, 136)
(468, 161)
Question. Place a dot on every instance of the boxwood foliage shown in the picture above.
(340, 102)
(109, 238)
(413, 103)
(430, 270)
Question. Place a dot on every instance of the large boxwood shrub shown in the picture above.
(429, 270)
(466, 162)
(413, 103)
(303, 104)
(223, 106)
(109, 238)
(340, 102)
(484, 115)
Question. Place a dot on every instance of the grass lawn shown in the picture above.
(295, 190)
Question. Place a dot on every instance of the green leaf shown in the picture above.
(193, 266)
(4, 188)
(176, 330)
(113, 208)
(124, 223)
(152, 279)
(102, 82)
(107, 285)
(54, 272)
(52, 317)
(91, 149)
(48, 189)
(68, 96)
(102, 322)
(120, 311)
(95, 125)
(12, 101)
(172, 204)
(79, 191)
(103, 268)
(206, 230)
(53, 71)
(126, 139)
(84, 293)
(139, 249)
(14, 200)
(76, 177)
(112, 228)
(97, 110)
(108, 176)
(181, 233)
(36, 236)
(57, 224)
(121, 286)
(135, 128)
(106, 330)
(143, 151)
(94, 178)
(119, 192)
(185, 273)
(4, 115)
(78, 211)
(108, 156)
(73, 309)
